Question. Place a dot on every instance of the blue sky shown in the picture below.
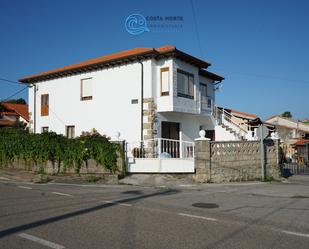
(260, 47)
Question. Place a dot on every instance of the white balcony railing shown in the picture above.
(206, 103)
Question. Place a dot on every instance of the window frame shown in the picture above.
(83, 98)
(67, 127)
(205, 85)
(206, 96)
(162, 70)
(45, 104)
(188, 96)
(44, 129)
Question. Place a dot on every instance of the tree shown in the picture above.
(17, 101)
(286, 114)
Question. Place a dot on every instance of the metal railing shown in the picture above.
(160, 148)
(225, 118)
(206, 103)
(294, 169)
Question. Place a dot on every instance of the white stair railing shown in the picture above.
(229, 120)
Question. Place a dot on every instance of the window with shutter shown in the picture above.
(165, 81)
(44, 104)
(86, 89)
(70, 131)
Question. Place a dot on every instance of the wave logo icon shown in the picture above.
(136, 24)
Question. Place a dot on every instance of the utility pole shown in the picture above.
(262, 155)
(262, 134)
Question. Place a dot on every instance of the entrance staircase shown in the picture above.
(230, 127)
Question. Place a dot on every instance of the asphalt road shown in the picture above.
(206, 216)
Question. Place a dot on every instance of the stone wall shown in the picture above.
(149, 109)
(235, 160)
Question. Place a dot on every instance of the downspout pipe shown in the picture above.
(142, 100)
(34, 107)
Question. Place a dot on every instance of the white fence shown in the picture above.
(161, 148)
(160, 155)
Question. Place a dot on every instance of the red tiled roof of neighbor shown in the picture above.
(20, 109)
(9, 113)
(6, 123)
(302, 142)
(112, 59)
(244, 114)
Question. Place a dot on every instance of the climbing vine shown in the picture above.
(18, 144)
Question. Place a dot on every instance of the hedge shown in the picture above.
(18, 144)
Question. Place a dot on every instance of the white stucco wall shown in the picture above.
(189, 124)
(110, 109)
(221, 134)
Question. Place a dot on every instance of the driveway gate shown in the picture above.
(295, 169)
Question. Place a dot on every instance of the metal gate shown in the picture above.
(290, 169)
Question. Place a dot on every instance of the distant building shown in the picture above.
(289, 132)
(12, 113)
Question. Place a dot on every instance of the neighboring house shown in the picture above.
(137, 94)
(12, 113)
(233, 125)
(289, 132)
(289, 129)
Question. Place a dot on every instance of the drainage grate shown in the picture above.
(205, 205)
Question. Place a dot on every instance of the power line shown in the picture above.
(3, 100)
(10, 81)
(196, 29)
(263, 76)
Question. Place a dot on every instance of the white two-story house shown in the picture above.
(137, 94)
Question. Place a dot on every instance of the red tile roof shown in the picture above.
(244, 114)
(20, 109)
(10, 113)
(302, 142)
(113, 59)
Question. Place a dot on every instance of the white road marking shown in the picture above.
(24, 187)
(119, 203)
(198, 217)
(4, 178)
(296, 234)
(41, 241)
(63, 194)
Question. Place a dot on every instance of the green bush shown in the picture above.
(17, 144)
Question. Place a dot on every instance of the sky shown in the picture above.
(260, 47)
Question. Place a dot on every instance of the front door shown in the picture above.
(170, 131)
